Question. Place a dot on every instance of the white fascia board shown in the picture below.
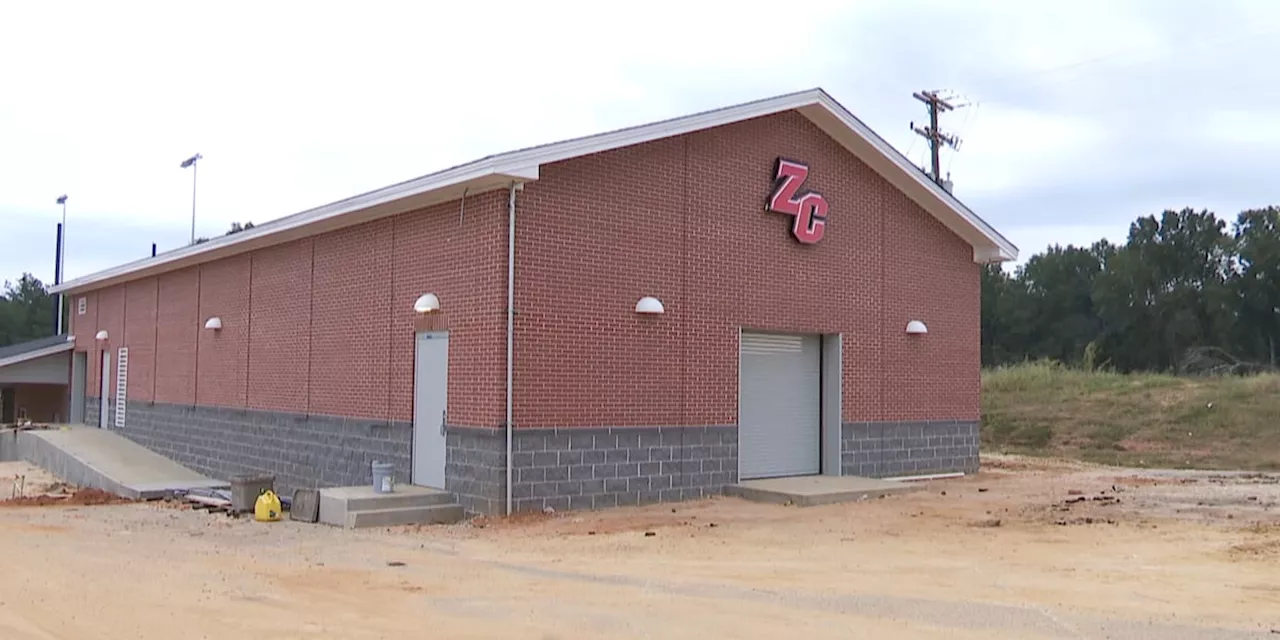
(937, 196)
(820, 107)
(577, 147)
(481, 175)
(39, 353)
(988, 255)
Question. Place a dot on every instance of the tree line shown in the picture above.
(27, 307)
(1183, 285)
(26, 311)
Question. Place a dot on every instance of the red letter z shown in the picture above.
(809, 209)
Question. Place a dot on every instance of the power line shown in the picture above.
(1144, 56)
(970, 115)
(1048, 78)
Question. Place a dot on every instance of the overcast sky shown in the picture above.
(1085, 114)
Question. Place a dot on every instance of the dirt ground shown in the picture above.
(1026, 549)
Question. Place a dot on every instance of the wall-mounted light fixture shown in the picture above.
(100, 335)
(916, 328)
(427, 303)
(649, 304)
(214, 323)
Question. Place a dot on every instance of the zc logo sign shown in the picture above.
(808, 208)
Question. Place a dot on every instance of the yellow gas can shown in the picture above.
(267, 507)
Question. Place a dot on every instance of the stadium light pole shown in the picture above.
(191, 162)
(60, 259)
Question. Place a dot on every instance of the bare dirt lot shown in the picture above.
(1026, 549)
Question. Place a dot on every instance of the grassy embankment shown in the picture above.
(1133, 419)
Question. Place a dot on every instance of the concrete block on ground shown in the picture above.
(361, 506)
(436, 514)
(808, 491)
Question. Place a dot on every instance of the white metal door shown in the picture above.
(79, 373)
(104, 403)
(779, 405)
(430, 404)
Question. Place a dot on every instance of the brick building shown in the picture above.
(762, 290)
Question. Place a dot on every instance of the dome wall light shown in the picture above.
(427, 303)
(100, 335)
(916, 328)
(650, 305)
(214, 323)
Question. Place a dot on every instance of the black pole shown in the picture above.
(57, 279)
(153, 249)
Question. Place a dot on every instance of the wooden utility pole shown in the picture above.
(936, 138)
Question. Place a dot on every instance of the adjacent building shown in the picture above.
(643, 315)
(34, 380)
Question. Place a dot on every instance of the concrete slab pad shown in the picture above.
(100, 458)
(807, 491)
(362, 506)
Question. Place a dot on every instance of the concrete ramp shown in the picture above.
(807, 491)
(99, 458)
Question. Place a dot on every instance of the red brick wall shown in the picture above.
(351, 321)
(222, 356)
(280, 337)
(83, 327)
(177, 313)
(109, 316)
(683, 219)
(140, 337)
(325, 325)
(461, 255)
(322, 325)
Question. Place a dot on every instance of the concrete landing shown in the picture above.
(808, 491)
(357, 507)
(99, 458)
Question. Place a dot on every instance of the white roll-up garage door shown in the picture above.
(779, 399)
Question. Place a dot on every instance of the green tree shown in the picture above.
(1256, 282)
(26, 311)
(1059, 284)
(1166, 290)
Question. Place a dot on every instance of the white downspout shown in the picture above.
(511, 319)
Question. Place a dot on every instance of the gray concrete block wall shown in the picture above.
(91, 412)
(886, 449)
(590, 468)
(301, 451)
(15, 446)
(606, 467)
(475, 468)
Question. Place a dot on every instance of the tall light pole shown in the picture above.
(60, 258)
(191, 162)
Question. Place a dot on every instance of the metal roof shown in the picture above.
(499, 171)
(37, 348)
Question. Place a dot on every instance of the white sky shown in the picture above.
(1089, 115)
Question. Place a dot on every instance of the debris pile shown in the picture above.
(1078, 498)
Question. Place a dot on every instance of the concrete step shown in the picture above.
(399, 500)
(434, 514)
(356, 506)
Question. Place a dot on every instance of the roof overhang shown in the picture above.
(39, 353)
(485, 175)
(988, 245)
(501, 171)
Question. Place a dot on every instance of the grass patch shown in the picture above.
(1133, 419)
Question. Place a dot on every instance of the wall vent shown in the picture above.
(122, 384)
